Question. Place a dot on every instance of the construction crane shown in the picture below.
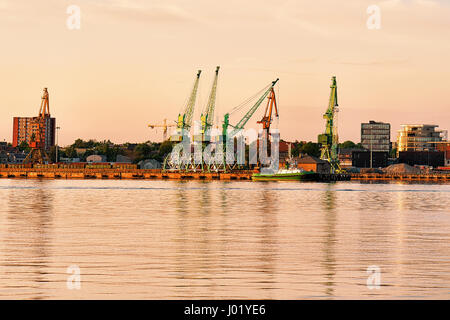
(164, 126)
(240, 125)
(184, 121)
(39, 125)
(329, 139)
(207, 116)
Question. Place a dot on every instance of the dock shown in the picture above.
(83, 173)
(444, 177)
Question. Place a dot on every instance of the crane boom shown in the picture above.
(240, 125)
(207, 116)
(185, 118)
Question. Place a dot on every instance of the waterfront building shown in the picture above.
(25, 127)
(423, 158)
(376, 136)
(310, 163)
(418, 137)
(367, 159)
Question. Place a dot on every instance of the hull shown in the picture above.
(302, 176)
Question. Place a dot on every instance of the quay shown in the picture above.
(401, 177)
(85, 173)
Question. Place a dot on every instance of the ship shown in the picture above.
(286, 174)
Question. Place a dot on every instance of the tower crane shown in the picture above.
(164, 126)
(184, 121)
(207, 116)
(39, 125)
(329, 139)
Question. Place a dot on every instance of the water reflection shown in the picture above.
(329, 262)
(28, 236)
(213, 239)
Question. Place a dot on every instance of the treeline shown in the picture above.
(313, 148)
(135, 151)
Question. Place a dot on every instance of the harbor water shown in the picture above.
(223, 240)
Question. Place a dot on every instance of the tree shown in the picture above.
(347, 145)
(23, 146)
(311, 148)
(71, 152)
(165, 148)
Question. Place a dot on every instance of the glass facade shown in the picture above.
(376, 136)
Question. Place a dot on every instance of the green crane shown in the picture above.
(184, 121)
(240, 125)
(329, 139)
(207, 116)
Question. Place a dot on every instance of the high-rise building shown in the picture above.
(25, 127)
(376, 136)
(38, 132)
(418, 137)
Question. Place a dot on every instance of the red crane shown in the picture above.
(37, 142)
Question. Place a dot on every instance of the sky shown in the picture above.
(133, 62)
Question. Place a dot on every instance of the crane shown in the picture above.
(184, 121)
(267, 119)
(240, 125)
(39, 125)
(329, 139)
(207, 116)
(164, 125)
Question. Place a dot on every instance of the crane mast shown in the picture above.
(329, 139)
(39, 125)
(207, 116)
(184, 121)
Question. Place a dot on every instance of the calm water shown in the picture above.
(163, 239)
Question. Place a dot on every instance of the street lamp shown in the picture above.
(57, 129)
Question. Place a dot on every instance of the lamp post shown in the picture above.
(57, 129)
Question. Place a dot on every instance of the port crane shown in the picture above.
(164, 126)
(329, 140)
(39, 125)
(184, 121)
(207, 116)
(267, 92)
(267, 119)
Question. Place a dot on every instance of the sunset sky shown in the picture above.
(133, 62)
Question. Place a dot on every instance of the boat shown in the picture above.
(286, 174)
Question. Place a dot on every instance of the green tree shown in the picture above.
(71, 152)
(23, 146)
(311, 148)
(347, 145)
(165, 148)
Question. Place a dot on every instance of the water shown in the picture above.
(240, 240)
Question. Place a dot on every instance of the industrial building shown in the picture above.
(367, 159)
(376, 136)
(422, 158)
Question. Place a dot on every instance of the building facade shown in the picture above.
(376, 136)
(367, 159)
(418, 137)
(25, 127)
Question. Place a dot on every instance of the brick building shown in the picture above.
(25, 127)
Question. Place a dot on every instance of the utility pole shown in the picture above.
(57, 145)
(371, 159)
